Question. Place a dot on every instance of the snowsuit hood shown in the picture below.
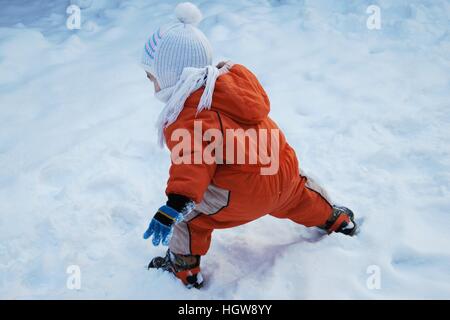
(238, 95)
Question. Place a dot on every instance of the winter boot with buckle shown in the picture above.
(341, 220)
(184, 267)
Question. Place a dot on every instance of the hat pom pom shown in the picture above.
(188, 13)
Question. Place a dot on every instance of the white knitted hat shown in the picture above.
(172, 48)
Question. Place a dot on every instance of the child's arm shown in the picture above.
(189, 179)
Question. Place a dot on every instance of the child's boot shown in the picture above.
(184, 267)
(341, 220)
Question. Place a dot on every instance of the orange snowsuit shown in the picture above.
(229, 194)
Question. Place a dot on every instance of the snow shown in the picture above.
(367, 111)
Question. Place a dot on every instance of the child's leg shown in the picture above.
(189, 238)
(188, 243)
(308, 204)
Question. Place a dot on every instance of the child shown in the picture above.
(208, 195)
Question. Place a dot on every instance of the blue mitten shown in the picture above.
(162, 224)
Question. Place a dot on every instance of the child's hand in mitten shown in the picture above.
(162, 224)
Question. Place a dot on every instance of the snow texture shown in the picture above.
(368, 112)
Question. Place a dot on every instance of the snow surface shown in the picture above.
(368, 112)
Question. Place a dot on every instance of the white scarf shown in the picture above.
(191, 79)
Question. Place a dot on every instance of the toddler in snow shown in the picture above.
(209, 102)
